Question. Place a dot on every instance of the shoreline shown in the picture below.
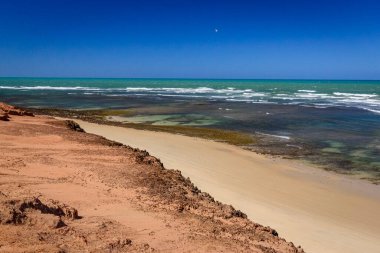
(252, 142)
(305, 204)
(63, 190)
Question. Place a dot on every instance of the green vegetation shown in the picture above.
(100, 116)
(228, 136)
(108, 112)
(231, 137)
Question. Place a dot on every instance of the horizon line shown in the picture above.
(192, 78)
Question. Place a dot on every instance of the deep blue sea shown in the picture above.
(339, 119)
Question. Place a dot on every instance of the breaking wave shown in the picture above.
(303, 97)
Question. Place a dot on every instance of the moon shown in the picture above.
(216, 30)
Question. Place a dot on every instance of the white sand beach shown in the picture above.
(319, 210)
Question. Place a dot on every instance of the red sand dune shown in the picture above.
(63, 190)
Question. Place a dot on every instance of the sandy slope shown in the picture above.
(67, 191)
(322, 211)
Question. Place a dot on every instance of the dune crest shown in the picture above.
(63, 190)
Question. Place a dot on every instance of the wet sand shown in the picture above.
(322, 211)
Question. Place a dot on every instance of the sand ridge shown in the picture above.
(63, 190)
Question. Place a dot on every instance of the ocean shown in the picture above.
(336, 123)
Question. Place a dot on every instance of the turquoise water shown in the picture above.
(337, 122)
(322, 93)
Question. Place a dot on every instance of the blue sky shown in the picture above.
(178, 39)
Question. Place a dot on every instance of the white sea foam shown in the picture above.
(205, 90)
(253, 94)
(358, 100)
(304, 97)
(306, 91)
(372, 110)
(179, 95)
(312, 95)
(137, 89)
(220, 97)
(285, 98)
(354, 95)
(49, 88)
(276, 136)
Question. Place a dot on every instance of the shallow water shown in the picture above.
(338, 121)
